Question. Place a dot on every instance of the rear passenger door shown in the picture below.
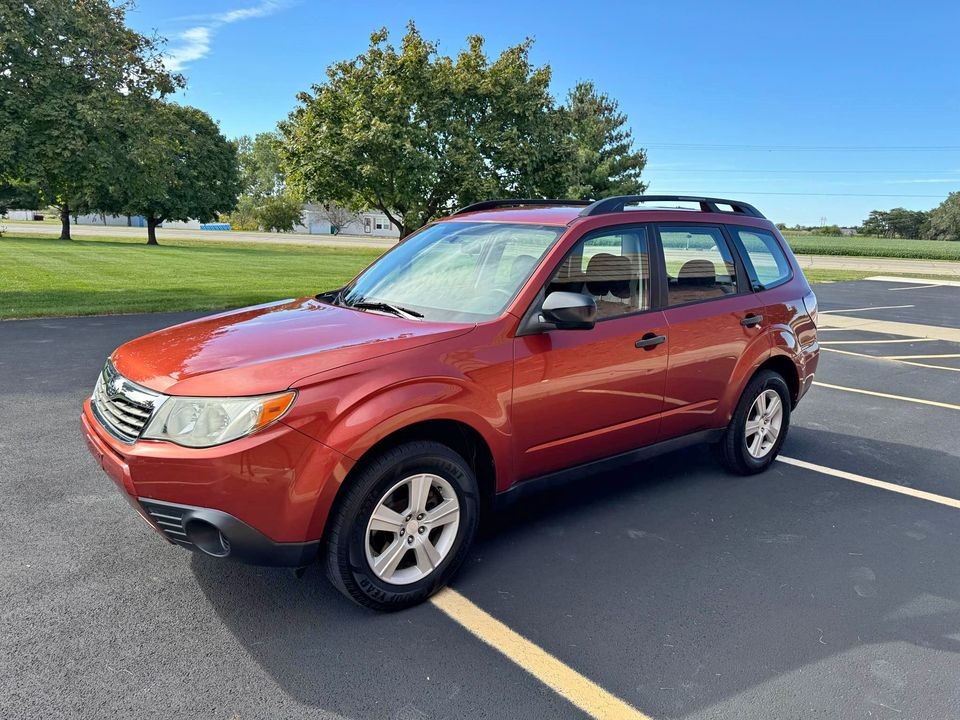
(712, 316)
(768, 269)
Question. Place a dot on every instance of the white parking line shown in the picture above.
(853, 477)
(915, 287)
(885, 327)
(889, 359)
(865, 309)
(915, 280)
(876, 342)
(921, 357)
(919, 401)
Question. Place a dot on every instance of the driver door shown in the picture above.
(582, 395)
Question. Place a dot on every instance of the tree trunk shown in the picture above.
(65, 222)
(152, 223)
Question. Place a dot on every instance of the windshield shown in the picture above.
(452, 271)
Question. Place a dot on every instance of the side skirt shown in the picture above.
(594, 467)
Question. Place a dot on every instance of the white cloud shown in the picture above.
(195, 42)
(268, 7)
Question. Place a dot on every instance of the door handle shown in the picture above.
(650, 341)
(752, 320)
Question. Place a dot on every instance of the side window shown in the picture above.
(764, 259)
(699, 264)
(612, 266)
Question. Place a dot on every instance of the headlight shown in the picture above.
(204, 422)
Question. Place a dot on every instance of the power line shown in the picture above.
(806, 194)
(799, 148)
(803, 172)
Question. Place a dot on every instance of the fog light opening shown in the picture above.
(207, 537)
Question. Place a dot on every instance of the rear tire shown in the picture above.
(759, 425)
(403, 526)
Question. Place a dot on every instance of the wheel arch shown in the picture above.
(459, 436)
(784, 366)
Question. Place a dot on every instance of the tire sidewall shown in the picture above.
(763, 382)
(379, 480)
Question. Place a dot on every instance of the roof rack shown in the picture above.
(540, 202)
(707, 204)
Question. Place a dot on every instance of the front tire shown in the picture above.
(403, 526)
(759, 425)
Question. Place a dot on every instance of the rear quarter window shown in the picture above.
(763, 257)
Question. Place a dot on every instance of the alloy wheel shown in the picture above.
(763, 423)
(412, 529)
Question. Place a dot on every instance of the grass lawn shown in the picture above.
(42, 276)
(873, 247)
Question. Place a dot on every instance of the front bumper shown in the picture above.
(219, 534)
(267, 495)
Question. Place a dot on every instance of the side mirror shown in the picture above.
(569, 311)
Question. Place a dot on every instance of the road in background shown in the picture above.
(946, 268)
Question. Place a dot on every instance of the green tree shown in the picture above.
(261, 173)
(944, 222)
(69, 70)
(903, 223)
(414, 133)
(604, 161)
(265, 202)
(896, 223)
(180, 167)
(877, 224)
(280, 213)
(244, 216)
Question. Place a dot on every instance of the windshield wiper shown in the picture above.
(386, 307)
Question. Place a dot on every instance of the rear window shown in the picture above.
(764, 259)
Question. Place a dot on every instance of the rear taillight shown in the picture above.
(810, 303)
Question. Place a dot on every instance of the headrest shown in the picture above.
(521, 267)
(608, 273)
(697, 272)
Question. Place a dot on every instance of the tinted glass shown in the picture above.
(699, 264)
(613, 267)
(764, 256)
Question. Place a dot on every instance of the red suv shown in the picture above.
(512, 345)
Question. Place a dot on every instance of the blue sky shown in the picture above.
(809, 110)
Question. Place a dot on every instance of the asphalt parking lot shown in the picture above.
(672, 587)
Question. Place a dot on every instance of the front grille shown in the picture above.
(121, 406)
(169, 518)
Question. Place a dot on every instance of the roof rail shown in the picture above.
(492, 204)
(619, 203)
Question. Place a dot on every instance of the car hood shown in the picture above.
(267, 348)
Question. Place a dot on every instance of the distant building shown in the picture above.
(130, 221)
(371, 222)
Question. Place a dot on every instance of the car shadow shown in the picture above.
(666, 576)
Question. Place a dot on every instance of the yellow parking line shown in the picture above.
(889, 359)
(921, 357)
(853, 477)
(562, 679)
(919, 401)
